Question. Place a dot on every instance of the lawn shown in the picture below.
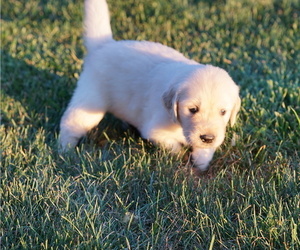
(117, 191)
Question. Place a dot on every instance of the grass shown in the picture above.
(118, 191)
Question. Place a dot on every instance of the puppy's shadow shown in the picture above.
(41, 94)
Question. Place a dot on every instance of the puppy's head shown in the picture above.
(203, 104)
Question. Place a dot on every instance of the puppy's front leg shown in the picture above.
(202, 157)
(170, 139)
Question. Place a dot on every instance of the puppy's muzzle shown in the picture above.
(207, 138)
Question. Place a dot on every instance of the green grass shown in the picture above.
(118, 191)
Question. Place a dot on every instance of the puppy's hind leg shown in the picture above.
(75, 123)
(84, 112)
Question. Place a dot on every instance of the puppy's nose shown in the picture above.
(207, 138)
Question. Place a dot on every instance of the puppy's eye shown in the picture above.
(223, 112)
(194, 110)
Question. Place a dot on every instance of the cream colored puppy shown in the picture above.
(171, 100)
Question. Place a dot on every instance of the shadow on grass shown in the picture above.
(42, 94)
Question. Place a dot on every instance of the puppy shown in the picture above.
(171, 100)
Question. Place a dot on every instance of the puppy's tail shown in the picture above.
(96, 24)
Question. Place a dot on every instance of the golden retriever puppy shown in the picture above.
(170, 99)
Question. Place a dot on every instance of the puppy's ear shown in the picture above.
(170, 100)
(235, 110)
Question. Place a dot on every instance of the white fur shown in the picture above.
(151, 86)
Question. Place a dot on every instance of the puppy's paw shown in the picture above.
(67, 143)
(202, 157)
(173, 145)
(165, 141)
